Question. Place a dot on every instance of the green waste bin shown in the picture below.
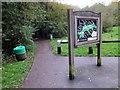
(20, 53)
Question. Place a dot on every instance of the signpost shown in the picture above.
(84, 29)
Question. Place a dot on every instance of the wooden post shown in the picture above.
(51, 37)
(90, 49)
(99, 44)
(99, 54)
(59, 46)
(71, 47)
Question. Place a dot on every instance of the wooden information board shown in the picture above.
(84, 28)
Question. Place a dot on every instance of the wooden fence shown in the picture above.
(59, 42)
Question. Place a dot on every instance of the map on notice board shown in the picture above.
(86, 29)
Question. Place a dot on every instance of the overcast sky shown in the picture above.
(84, 3)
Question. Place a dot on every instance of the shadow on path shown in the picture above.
(50, 71)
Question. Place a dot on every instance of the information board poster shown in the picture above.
(86, 29)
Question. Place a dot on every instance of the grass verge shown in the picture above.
(111, 35)
(14, 73)
(108, 49)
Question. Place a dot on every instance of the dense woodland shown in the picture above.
(23, 22)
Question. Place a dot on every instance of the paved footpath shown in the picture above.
(50, 71)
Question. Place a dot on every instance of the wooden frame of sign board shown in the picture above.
(72, 36)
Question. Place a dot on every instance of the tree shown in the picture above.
(16, 25)
(20, 20)
(109, 14)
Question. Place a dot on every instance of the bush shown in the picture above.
(16, 25)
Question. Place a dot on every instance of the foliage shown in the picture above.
(22, 21)
(16, 30)
(114, 34)
(109, 14)
(118, 13)
(56, 20)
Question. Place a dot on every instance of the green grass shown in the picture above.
(108, 49)
(111, 35)
(14, 73)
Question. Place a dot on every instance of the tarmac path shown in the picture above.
(50, 71)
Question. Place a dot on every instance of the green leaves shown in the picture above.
(16, 25)
(21, 19)
(109, 14)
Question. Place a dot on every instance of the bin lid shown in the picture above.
(19, 50)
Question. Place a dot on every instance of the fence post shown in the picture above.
(59, 46)
(90, 50)
(51, 37)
